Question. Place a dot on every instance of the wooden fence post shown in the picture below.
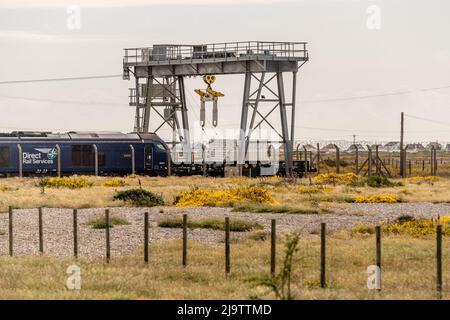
(227, 245)
(378, 252)
(439, 260)
(338, 160)
(318, 158)
(323, 282)
(184, 240)
(273, 244)
(146, 237)
(41, 233)
(75, 233)
(11, 237)
(108, 244)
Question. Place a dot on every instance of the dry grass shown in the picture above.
(26, 193)
(408, 272)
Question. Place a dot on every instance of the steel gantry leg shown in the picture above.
(284, 125)
(148, 104)
(137, 126)
(184, 119)
(294, 94)
(255, 110)
(244, 117)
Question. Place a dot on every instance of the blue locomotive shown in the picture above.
(103, 153)
(111, 153)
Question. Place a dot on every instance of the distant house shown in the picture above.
(436, 145)
(447, 147)
(380, 147)
(310, 147)
(355, 147)
(328, 148)
(415, 147)
(392, 146)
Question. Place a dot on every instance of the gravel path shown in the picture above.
(58, 239)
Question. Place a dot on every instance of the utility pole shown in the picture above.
(354, 139)
(402, 154)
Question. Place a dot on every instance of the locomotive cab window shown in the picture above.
(5, 157)
(160, 146)
(82, 155)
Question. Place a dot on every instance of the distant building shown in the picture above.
(355, 147)
(447, 147)
(414, 147)
(310, 147)
(437, 146)
(392, 146)
(328, 148)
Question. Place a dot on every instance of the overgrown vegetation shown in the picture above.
(378, 181)
(223, 198)
(313, 189)
(423, 179)
(114, 183)
(66, 182)
(408, 225)
(214, 224)
(378, 198)
(100, 222)
(280, 284)
(335, 178)
(139, 197)
(277, 209)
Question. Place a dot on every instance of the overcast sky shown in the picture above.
(353, 52)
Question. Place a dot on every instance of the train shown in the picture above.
(24, 153)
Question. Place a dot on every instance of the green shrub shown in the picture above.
(100, 222)
(378, 181)
(404, 218)
(214, 224)
(139, 197)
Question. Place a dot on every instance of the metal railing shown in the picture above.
(227, 51)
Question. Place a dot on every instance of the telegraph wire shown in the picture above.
(386, 94)
(428, 120)
(74, 102)
(61, 79)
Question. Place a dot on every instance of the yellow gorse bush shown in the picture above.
(421, 179)
(71, 183)
(313, 189)
(415, 228)
(114, 183)
(335, 178)
(221, 198)
(379, 198)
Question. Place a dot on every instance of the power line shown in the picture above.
(75, 102)
(395, 93)
(428, 120)
(61, 79)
